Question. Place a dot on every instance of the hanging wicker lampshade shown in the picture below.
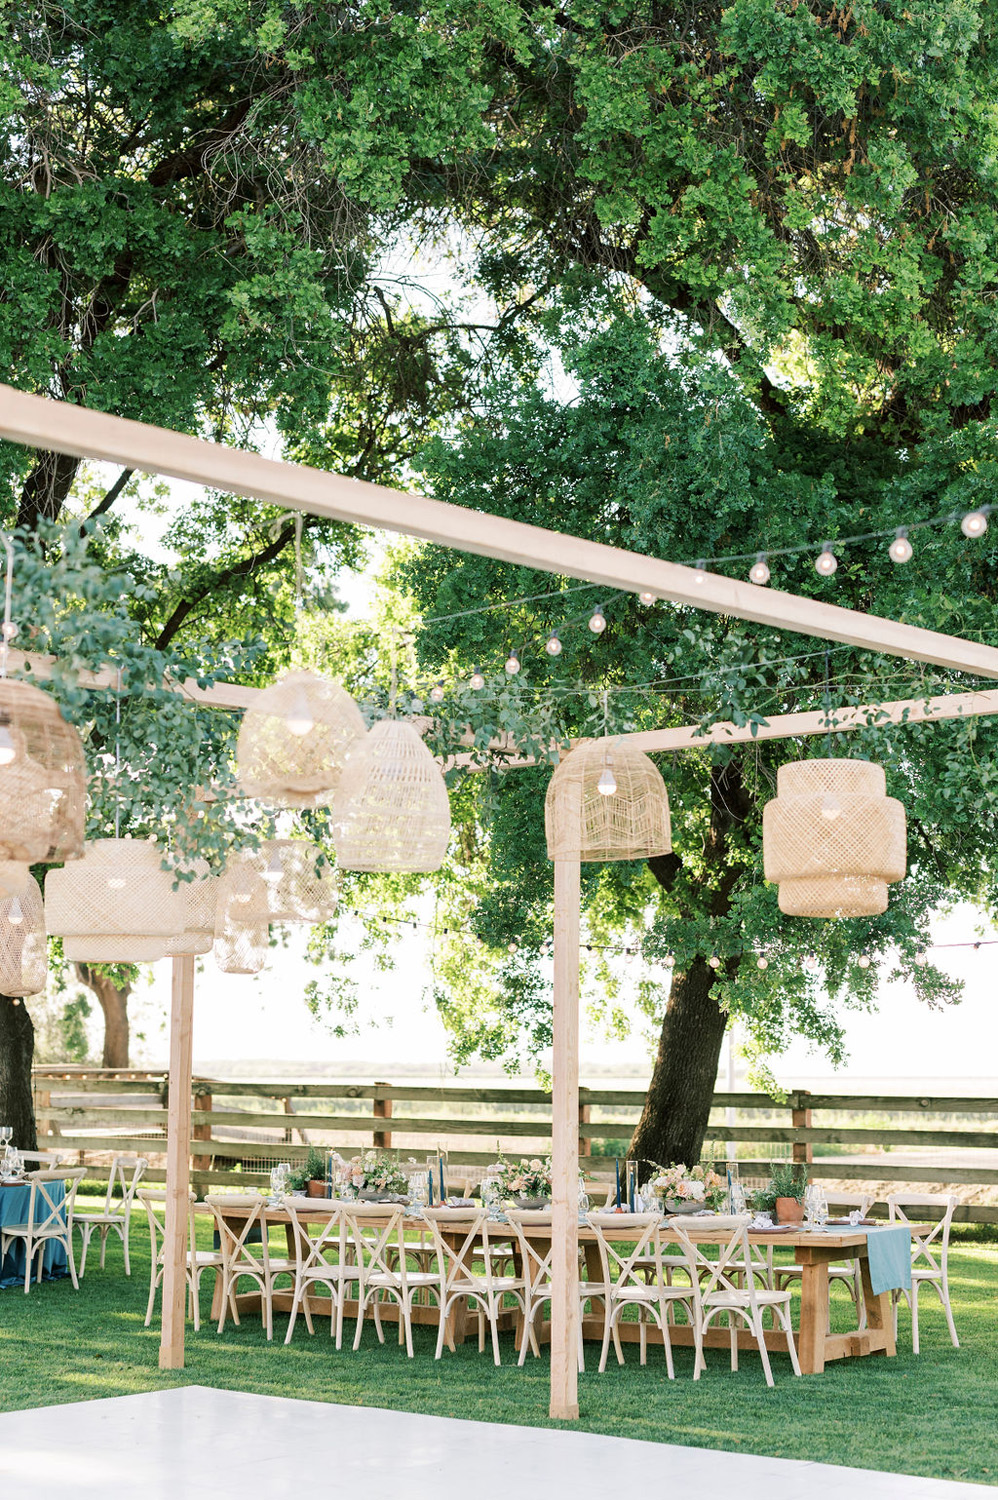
(117, 905)
(240, 947)
(200, 896)
(391, 811)
(278, 882)
(42, 778)
(832, 838)
(23, 943)
(606, 802)
(294, 740)
(14, 877)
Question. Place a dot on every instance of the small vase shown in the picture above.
(532, 1203)
(788, 1211)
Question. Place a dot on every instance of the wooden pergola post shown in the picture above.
(565, 1144)
(178, 1152)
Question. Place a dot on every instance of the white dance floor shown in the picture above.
(194, 1443)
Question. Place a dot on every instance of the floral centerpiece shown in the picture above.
(374, 1172)
(680, 1188)
(527, 1181)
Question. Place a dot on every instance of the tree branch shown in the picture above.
(222, 580)
(109, 499)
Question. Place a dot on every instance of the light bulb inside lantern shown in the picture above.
(273, 872)
(762, 962)
(476, 680)
(512, 664)
(714, 961)
(759, 571)
(16, 915)
(299, 719)
(553, 645)
(597, 620)
(900, 549)
(831, 807)
(974, 523)
(700, 572)
(826, 563)
(437, 693)
(864, 960)
(8, 749)
(607, 783)
(116, 883)
(646, 597)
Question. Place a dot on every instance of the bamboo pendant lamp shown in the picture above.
(200, 896)
(240, 947)
(391, 810)
(14, 877)
(284, 880)
(294, 740)
(606, 802)
(832, 838)
(117, 905)
(23, 943)
(42, 778)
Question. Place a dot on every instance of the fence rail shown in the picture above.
(95, 1112)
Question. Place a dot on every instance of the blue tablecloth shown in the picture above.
(890, 1258)
(14, 1210)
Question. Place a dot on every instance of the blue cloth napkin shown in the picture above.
(890, 1258)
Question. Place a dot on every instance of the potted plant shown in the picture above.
(310, 1177)
(784, 1196)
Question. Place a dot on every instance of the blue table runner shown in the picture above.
(890, 1258)
(14, 1210)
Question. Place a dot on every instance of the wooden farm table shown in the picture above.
(814, 1251)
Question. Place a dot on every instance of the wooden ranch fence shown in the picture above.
(241, 1127)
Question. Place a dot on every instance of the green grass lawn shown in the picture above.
(934, 1415)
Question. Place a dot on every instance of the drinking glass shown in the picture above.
(820, 1207)
(417, 1189)
(584, 1204)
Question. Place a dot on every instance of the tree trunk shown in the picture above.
(677, 1107)
(46, 488)
(17, 1049)
(114, 1004)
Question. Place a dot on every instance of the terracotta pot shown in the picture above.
(788, 1211)
(316, 1187)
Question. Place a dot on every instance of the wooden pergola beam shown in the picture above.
(65, 428)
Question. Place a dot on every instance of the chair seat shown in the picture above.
(924, 1274)
(21, 1232)
(203, 1258)
(634, 1293)
(499, 1284)
(99, 1218)
(394, 1279)
(763, 1298)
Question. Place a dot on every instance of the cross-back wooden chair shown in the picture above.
(377, 1238)
(244, 1255)
(727, 1284)
(126, 1171)
(153, 1200)
(322, 1258)
(929, 1254)
(634, 1276)
(458, 1257)
(49, 1221)
(534, 1240)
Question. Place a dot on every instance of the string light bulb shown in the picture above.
(921, 957)
(826, 562)
(714, 961)
(513, 947)
(512, 664)
(437, 693)
(700, 571)
(646, 597)
(553, 645)
(476, 680)
(16, 914)
(759, 571)
(900, 549)
(299, 719)
(864, 960)
(762, 962)
(974, 523)
(597, 620)
(8, 750)
(607, 783)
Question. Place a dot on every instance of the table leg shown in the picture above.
(879, 1314)
(813, 1315)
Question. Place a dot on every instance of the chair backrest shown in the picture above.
(733, 1269)
(45, 1158)
(321, 1243)
(646, 1246)
(377, 1234)
(536, 1253)
(929, 1252)
(153, 1201)
(850, 1201)
(471, 1228)
(46, 1210)
(128, 1169)
(236, 1215)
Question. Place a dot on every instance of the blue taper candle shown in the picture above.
(443, 1194)
(616, 1161)
(429, 1178)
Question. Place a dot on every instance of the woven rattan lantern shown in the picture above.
(117, 905)
(284, 880)
(23, 944)
(14, 877)
(294, 740)
(607, 802)
(42, 778)
(832, 839)
(240, 947)
(200, 897)
(391, 811)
